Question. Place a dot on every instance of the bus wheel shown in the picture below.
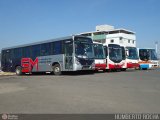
(18, 70)
(57, 69)
(123, 69)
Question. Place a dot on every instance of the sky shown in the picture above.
(27, 21)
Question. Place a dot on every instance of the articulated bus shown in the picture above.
(148, 58)
(72, 53)
(100, 58)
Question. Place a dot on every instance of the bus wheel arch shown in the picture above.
(56, 68)
(18, 70)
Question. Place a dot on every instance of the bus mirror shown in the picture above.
(127, 53)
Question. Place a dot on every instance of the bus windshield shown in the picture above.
(132, 53)
(147, 54)
(83, 48)
(153, 54)
(115, 53)
(98, 51)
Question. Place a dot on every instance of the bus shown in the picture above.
(148, 58)
(132, 58)
(72, 53)
(113, 51)
(100, 60)
(113, 57)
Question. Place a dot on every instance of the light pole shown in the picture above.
(156, 44)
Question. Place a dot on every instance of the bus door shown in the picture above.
(7, 61)
(68, 54)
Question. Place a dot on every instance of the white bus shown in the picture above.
(132, 58)
(114, 57)
(100, 58)
(113, 51)
(72, 53)
(148, 58)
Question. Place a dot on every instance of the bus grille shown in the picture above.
(86, 62)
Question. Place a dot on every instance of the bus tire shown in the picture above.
(123, 69)
(57, 69)
(18, 70)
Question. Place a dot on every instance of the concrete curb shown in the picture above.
(6, 73)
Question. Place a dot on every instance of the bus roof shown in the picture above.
(146, 48)
(40, 42)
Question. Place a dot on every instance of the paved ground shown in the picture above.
(116, 92)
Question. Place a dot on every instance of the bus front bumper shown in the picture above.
(144, 66)
(132, 65)
(100, 66)
(115, 66)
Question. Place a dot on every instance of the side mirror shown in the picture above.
(127, 53)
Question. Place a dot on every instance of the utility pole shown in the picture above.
(156, 44)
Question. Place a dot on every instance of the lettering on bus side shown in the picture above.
(28, 64)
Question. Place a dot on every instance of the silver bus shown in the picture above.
(72, 53)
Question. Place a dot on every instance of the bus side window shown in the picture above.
(17, 53)
(26, 51)
(123, 53)
(7, 59)
(46, 49)
(68, 47)
(2, 56)
(35, 51)
(57, 47)
(106, 50)
(3, 59)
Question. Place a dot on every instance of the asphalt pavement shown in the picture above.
(111, 92)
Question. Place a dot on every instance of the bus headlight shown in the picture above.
(104, 61)
(93, 65)
(77, 62)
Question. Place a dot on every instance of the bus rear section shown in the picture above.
(99, 56)
(56, 55)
